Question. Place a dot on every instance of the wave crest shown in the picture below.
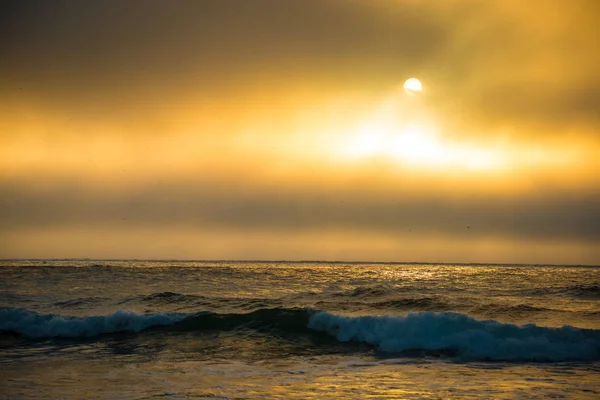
(462, 335)
(34, 325)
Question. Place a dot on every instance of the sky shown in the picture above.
(280, 130)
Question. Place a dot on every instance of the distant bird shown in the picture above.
(468, 227)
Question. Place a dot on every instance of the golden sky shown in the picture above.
(271, 129)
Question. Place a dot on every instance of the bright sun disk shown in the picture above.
(413, 86)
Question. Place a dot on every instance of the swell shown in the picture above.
(585, 291)
(415, 333)
(589, 291)
(358, 299)
(194, 301)
(422, 303)
(80, 302)
(511, 310)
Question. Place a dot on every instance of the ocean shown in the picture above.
(89, 329)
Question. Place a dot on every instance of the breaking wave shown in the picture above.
(462, 335)
(434, 333)
(34, 325)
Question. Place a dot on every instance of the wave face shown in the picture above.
(34, 325)
(451, 334)
(462, 335)
(39, 326)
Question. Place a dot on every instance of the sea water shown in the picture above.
(84, 329)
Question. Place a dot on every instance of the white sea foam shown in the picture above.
(468, 337)
(34, 325)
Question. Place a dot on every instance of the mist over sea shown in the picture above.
(85, 329)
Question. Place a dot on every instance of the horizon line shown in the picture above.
(299, 261)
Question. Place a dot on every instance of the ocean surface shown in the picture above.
(85, 329)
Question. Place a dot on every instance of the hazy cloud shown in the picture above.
(540, 215)
(226, 102)
(495, 60)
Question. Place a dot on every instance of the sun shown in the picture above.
(413, 86)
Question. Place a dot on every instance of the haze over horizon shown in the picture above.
(280, 130)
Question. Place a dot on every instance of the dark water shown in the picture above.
(244, 330)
